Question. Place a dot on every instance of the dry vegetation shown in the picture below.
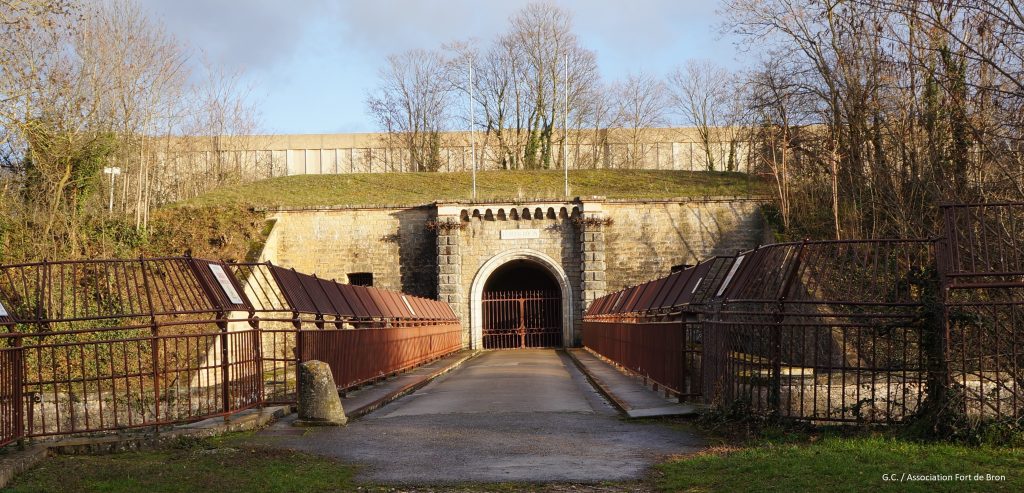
(90, 85)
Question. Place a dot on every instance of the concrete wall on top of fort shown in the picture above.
(267, 156)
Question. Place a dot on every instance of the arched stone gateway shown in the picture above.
(582, 248)
(513, 297)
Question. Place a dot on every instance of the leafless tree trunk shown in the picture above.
(413, 102)
(701, 93)
(640, 104)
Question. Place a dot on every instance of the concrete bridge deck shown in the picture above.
(524, 415)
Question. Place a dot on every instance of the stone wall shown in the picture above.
(646, 239)
(394, 244)
(597, 246)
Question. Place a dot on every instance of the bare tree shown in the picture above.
(83, 87)
(520, 81)
(595, 114)
(702, 94)
(771, 100)
(913, 104)
(137, 76)
(640, 104)
(413, 102)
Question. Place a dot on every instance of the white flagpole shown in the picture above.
(472, 125)
(565, 128)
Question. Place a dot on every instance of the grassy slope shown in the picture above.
(422, 188)
(835, 465)
(222, 224)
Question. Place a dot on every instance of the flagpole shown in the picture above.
(472, 125)
(565, 128)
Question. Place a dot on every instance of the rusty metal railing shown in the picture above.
(654, 330)
(827, 330)
(363, 333)
(11, 422)
(104, 345)
(843, 330)
(113, 344)
(982, 265)
(664, 352)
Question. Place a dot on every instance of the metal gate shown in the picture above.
(522, 319)
(11, 427)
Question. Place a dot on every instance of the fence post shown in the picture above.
(222, 324)
(685, 384)
(42, 280)
(153, 343)
(775, 395)
(936, 329)
(19, 391)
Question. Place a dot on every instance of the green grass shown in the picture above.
(211, 465)
(795, 462)
(837, 464)
(423, 188)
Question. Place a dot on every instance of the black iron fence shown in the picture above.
(90, 346)
(860, 331)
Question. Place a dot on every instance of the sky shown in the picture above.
(310, 63)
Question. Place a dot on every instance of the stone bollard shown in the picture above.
(319, 403)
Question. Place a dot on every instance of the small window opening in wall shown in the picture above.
(361, 279)
(677, 268)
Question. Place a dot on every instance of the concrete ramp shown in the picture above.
(519, 381)
(504, 416)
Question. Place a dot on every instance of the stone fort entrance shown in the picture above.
(518, 274)
(521, 303)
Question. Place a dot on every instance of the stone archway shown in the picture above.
(490, 266)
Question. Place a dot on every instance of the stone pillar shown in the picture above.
(592, 251)
(319, 402)
(449, 261)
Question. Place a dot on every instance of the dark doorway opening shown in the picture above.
(522, 307)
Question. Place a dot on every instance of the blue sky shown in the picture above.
(310, 63)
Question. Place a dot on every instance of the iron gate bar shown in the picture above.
(520, 319)
(11, 399)
(982, 267)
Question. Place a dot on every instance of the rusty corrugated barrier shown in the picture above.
(106, 345)
(357, 356)
(656, 350)
(653, 329)
(363, 333)
(838, 331)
